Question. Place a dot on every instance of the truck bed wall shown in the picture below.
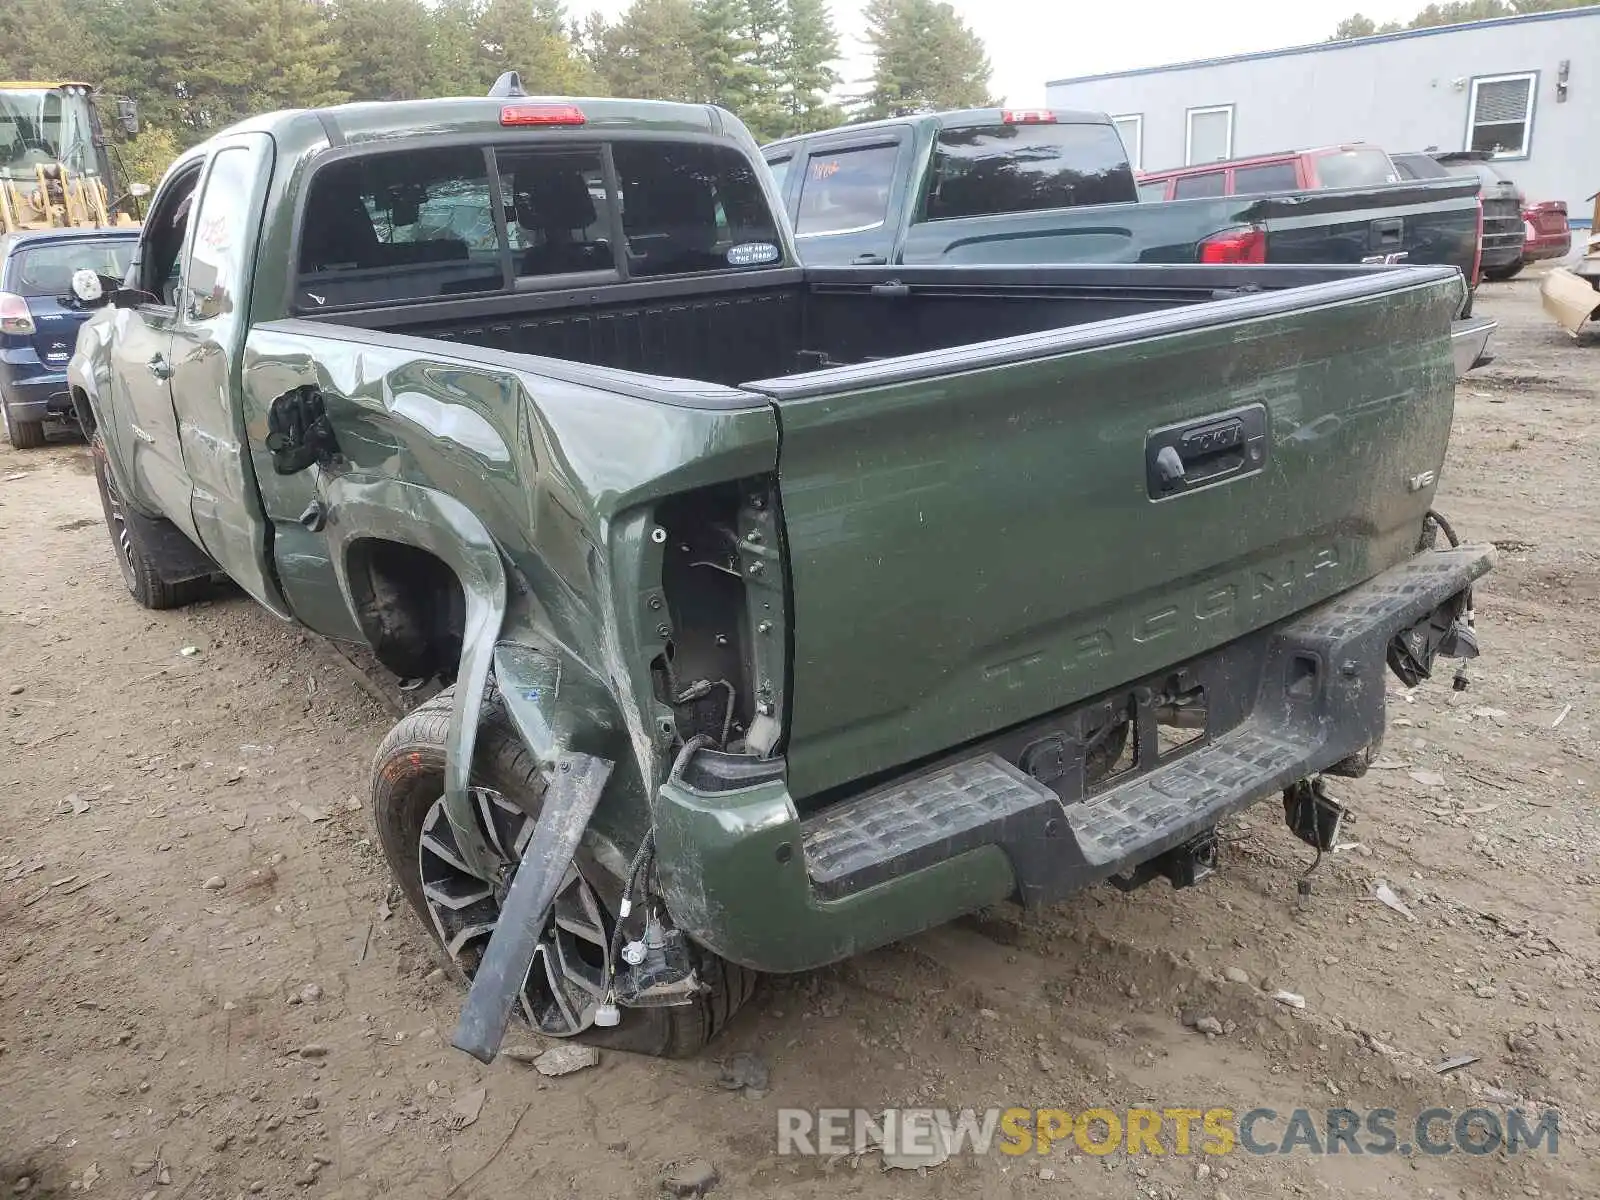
(737, 334)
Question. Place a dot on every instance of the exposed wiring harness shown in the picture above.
(639, 869)
(698, 690)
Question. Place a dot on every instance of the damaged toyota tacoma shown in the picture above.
(786, 611)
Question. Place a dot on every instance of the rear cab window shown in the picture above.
(395, 226)
(1012, 168)
(398, 227)
(1360, 167)
(692, 207)
(46, 269)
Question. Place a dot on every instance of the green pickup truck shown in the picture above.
(989, 185)
(787, 611)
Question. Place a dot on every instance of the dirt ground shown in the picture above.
(286, 1033)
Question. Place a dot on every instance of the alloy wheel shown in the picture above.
(119, 527)
(567, 980)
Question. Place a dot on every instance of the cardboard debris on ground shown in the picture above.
(565, 1059)
(466, 1109)
(1386, 894)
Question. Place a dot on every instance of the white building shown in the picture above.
(1526, 88)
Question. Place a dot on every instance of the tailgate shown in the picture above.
(1426, 223)
(982, 535)
(56, 331)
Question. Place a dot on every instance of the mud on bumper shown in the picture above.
(746, 875)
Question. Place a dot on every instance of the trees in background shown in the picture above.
(1455, 12)
(770, 61)
(923, 56)
(196, 66)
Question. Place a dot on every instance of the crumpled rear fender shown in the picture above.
(556, 704)
(370, 507)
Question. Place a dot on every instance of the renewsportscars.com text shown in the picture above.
(934, 1132)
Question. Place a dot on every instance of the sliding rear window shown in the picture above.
(388, 227)
(991, 169)
(688, 208)
(393, 227)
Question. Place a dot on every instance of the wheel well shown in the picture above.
(411, 607)
(85, 411)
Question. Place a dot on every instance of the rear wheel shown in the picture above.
(23, 435)
(139, 572)
(461, 908)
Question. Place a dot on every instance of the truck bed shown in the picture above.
(790, 323)
(967, 456)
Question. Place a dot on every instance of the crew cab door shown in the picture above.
(208, 334)
(141, 358)
(845, 194)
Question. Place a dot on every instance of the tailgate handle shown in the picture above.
(1227, 446)
(1390, 232)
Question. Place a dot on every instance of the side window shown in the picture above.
(212, 275)
(1268, 177)
(780, 172)
(555, 212)
(1190, 187)
(1153, 193)
(846, 191)
(689, 206)
(165, 230)
(394, 226)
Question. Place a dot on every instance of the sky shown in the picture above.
(1031, 41)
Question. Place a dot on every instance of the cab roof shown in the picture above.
(372, 121)
(955, 118)
(33, 237)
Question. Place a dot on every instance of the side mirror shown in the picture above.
(128, 115)
(92, 290)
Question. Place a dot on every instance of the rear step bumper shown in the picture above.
(1469, 342)
(745, 875)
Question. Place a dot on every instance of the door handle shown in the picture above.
(160, 367)
(869, 260)
(1222, 447)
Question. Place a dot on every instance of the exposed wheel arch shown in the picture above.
(410, 605)
(85, 413)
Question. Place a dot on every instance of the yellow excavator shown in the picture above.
(55, 171)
